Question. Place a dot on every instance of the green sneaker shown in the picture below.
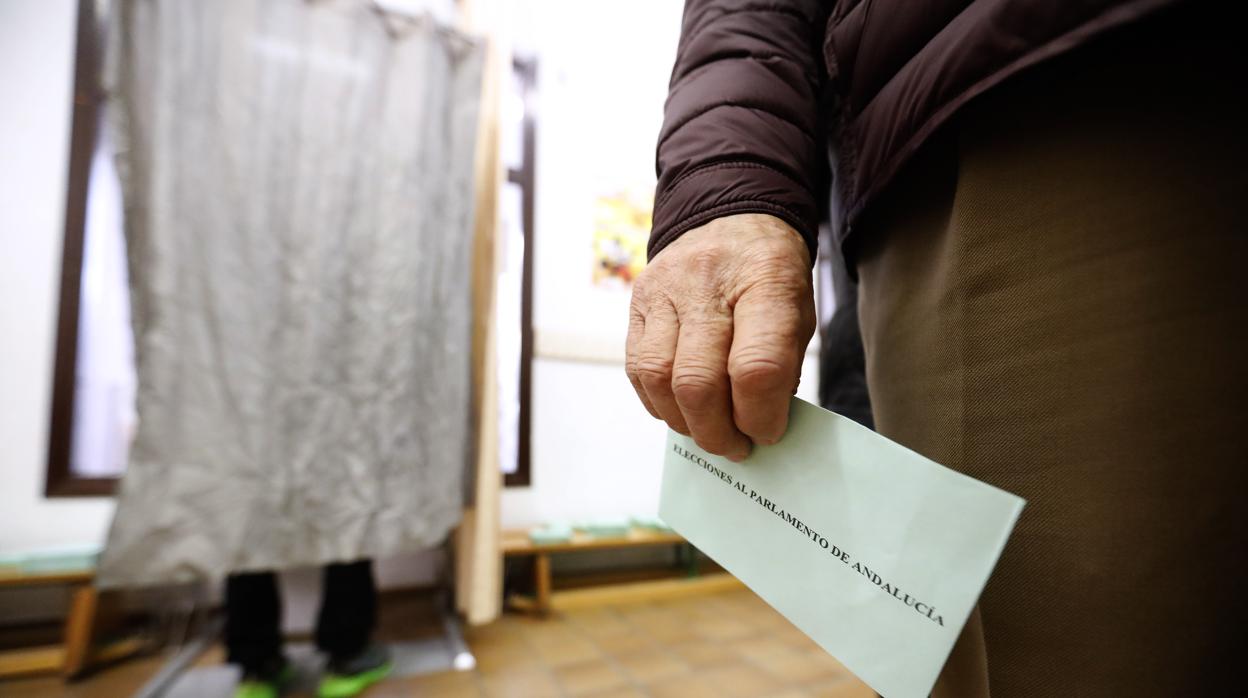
(255, 687)
(348, 678)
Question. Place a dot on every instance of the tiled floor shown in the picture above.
(121, 680)
(729, 644)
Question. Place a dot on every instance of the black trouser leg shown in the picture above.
(348, 609)
(253, 623)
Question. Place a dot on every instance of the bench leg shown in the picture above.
(541, 579)
(691, 559)
(79, 627)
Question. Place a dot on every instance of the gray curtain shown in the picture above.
(298, 185)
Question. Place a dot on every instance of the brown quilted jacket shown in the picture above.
(766, 93)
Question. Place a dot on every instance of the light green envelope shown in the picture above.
(875, 552)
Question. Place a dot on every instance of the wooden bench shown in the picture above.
(517, 543)
(75, 652)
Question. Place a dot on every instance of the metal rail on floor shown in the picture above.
(172, 669)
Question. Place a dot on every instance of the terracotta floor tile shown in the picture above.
(762, 619)
(573, 651)
(592, 616)
(743, 681)
(698, 653)
(636, 610)
(522, 684)
(122, 679)
(746, 598)
(646, 614)
(663, 616)
(627, 643)
(760, 649)
(791, 693)
(626, 692)
(446, 684)
(589, 677)
(688, 686)
(500, 643)
(844, 688)
(554, 634)
(502, 628)
(672, 632)
(723, 629)
(806, 643)
(652, 665)
(491, 660)
(800, 667)
(606, 628)
(443, 684)
(445, 679)
(790, 634)
(712, 607)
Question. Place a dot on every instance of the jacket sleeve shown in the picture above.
(741, 130)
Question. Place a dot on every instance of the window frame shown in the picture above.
(88, 95)
(524, 176)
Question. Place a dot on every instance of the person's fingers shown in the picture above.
(769, 337)
(700, 383)
(632, 348)
(656, 351)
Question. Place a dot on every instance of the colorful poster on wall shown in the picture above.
(621, 228)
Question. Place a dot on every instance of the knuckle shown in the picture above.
(778, 286)
(648, 287)
(641, 292)
(636, 315)
(704, 263)
(772, 256)
(653, 370)
(759, 373)
(695, 388)
(630, 370)
(775, 278)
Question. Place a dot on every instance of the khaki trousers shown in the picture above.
(1054, 299)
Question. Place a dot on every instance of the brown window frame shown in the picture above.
(525, 177)
(87, 96)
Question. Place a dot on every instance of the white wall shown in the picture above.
(603, 73)
(603, 70)
(36, 68)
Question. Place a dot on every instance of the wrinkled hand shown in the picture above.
(718, 326)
